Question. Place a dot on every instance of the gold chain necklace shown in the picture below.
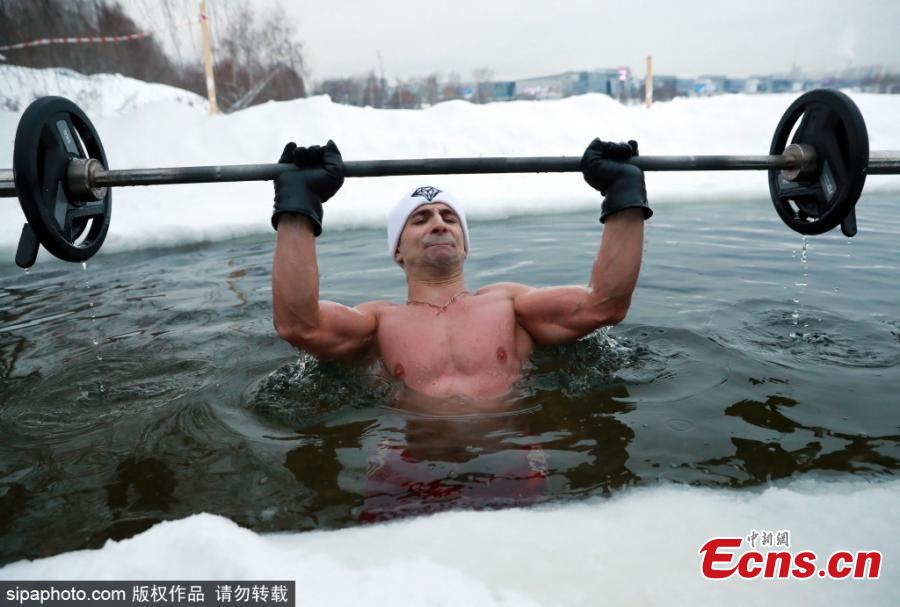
(439, 308)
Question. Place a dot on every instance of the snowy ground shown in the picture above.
(640, 548)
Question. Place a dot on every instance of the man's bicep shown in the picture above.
(346, 322)
(343, 332)
(558, 315)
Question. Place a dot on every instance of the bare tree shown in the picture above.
(257, 56)
(374, 93)
(405, 95)
(482, 77)
(257, 59)
(348, 91)
(432, 89)
(24, 21)
(452, 88)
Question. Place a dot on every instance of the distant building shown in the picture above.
(735, 85)
(862, 72)
(612, 82)
(618, 83)
(665, 88)
(503, 91)
(605, 81)
(684, 87)
(755, 84)
(710, 85)
(782, 85)
(547, 87)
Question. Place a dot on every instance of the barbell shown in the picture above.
(63, 182)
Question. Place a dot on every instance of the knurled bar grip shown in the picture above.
(880, 163)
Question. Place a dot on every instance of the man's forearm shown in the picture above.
(295, 276)
(618, 263)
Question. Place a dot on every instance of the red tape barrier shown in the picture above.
(94, 39)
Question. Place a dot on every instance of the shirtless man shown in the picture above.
(446, 340)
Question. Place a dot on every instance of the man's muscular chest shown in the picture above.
(476, 335)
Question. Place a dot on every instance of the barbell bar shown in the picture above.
(62, 179)
(880, 163)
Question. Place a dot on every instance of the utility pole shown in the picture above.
(648, 82)
(207, 60)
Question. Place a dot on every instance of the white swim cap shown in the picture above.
(412, 201)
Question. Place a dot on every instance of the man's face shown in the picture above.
(433, 237)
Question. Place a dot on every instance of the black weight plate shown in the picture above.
(834, 126)
(51, 131)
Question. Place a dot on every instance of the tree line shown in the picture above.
(257, 56)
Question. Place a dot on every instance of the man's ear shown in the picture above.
(398, 257)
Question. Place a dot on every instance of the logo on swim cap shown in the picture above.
(428, 193)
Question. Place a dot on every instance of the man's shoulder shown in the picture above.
(511, 289)
(376, 307)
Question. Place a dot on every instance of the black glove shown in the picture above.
(605, 169)
(304, 191)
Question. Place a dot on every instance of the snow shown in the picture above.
(639, 548)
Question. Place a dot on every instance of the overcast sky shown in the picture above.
(521, 38)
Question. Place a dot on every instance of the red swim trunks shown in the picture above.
(399, 485)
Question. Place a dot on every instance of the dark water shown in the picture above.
(151, 386)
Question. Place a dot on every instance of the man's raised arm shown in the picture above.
(557, 315)
(325, 329)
